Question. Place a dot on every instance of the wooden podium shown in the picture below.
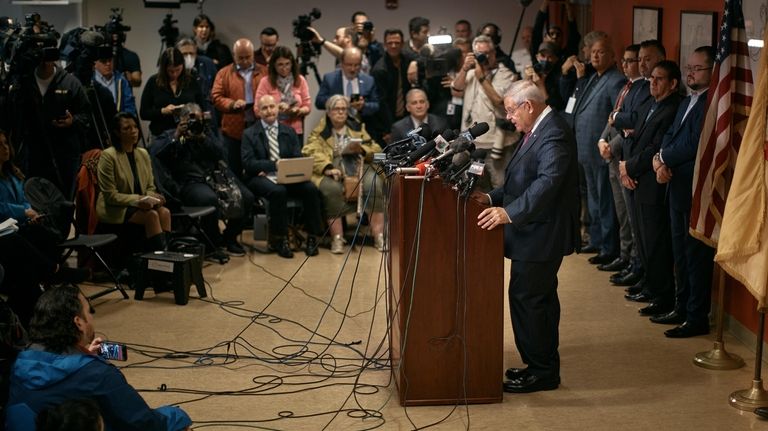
(447, 323)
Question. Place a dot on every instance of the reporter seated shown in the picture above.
(62, 363)
(191, 154)
(340, 148)
(30, 256)
(264, 143)
(127, 191)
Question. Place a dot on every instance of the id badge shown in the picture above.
(571, 104)
(451, 109)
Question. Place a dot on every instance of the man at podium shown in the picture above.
(538, 206)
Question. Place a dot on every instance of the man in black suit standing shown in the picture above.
(674, 166)
(539, 208)
(417, 104)
(636, 173)
(264, 143)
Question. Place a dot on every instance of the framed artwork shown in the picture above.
(696, 29)
(646, 24)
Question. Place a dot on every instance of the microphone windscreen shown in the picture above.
(460, 159)
(449, 135)
(478, 129)
(426, 131)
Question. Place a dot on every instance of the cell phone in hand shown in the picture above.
(151, 199)
(113, 351)
(354, 97)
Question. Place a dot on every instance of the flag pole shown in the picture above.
(756, 396)
(718, 358)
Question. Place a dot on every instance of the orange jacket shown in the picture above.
(228, 87)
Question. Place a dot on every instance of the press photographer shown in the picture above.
(125, 60)
(198, 176)
(545, 73)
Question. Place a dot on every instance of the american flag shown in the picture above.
(728, 103)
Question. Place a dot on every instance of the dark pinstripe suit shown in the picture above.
(541, 197)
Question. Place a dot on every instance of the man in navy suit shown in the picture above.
(358, 87)
(674, 165)
(539, 208)
(636, 173)
(264, 143)
(590, 112)
(417, 105)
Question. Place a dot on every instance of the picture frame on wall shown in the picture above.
(696, 29)
(646, 24)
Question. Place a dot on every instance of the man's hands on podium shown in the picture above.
(492, 217)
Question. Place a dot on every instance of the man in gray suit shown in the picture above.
(590, 111)
(417, 105)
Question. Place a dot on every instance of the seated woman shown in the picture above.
(288, 88)
(337, 146)
(29, 256)
(127, 186)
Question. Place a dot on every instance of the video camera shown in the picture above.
(114, 29)
(81, 48)
(301, 23)
(169, 33)
(436, 60)
(22, 48)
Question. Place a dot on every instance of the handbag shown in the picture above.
(228, 194)
(351, 182)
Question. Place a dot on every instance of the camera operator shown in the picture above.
(125, 60)
(122, 95)
(55, 117)
(364, 39)
(545, 73)
(190, 154)
(483, 81)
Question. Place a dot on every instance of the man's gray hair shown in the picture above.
(333, 100)
(523, 90)
(414, 91)
(482, 39)
(188, 109)
(186, 41)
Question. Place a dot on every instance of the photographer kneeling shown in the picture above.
(195, 161)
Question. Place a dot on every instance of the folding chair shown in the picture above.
(47, 199)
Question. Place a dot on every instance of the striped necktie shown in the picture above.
(274, 146)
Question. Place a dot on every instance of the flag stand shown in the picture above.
(756, 396)
(718, 358)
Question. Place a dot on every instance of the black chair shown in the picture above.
(194, 216)
(261, 223)
(45, 198)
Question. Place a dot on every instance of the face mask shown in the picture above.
(189, 61)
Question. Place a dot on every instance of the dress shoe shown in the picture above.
(618, 264)
(633, 290)
(671, 318)
(639, 297)
(762, 412)
(282, 248)
(655, 308)
(687, 330)
(527, 383)
(628, 280)
(234, 248)
(513, 373)
(589, 249)
(601, 258)
(311, 248)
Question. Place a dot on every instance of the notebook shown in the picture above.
(296, 170)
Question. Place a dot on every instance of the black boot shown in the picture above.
(156, 243)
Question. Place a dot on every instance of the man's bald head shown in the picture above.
(243, 53)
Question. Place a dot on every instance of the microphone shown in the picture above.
(417, 135)
(419, 169)
(458, 162)
(425, 149)
(474, 173)
(464, 141)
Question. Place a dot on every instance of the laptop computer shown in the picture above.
(296, 170)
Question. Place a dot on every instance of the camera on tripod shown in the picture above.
(114, 29)
(22, 48)
(169, 33)
(300, 24)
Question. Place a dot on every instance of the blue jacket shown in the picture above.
(13, 202)
(333, 84)
(41, 379)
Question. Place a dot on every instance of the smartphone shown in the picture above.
(114, 351)
(354, 97)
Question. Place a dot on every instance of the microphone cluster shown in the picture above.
(453, 164)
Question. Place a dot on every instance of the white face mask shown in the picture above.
(189, 61)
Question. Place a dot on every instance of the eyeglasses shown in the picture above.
(629, 60)
(696, 69)
(511, 112)
(339, 109)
